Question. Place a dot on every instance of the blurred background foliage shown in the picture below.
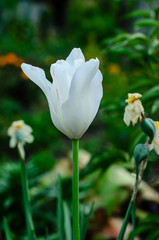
(124, 35)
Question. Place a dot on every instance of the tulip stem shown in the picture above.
(75, 190)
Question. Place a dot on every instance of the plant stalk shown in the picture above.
(75, 190)
(27, 208)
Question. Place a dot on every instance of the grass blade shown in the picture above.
(60, 213)
(27, 207)
(84, 221)
(125, 222)
(133, 217)
(67, 222)
(6, 229)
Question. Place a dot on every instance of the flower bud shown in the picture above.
(140, 153)
(148, 127)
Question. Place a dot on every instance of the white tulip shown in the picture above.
(75, 94)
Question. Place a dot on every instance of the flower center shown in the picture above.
(131, 99)
(157, 124)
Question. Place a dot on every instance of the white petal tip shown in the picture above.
(24, 65)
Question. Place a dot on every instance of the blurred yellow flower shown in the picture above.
(155, 142)
(134, 109)
(20, 133)
(10, 59)
(114, 69)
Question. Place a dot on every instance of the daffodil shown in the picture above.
(75, 94)
(20, 133)
(155, 142)
(134, 109)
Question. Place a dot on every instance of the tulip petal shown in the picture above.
(75, 54)
(59, 124)
(62, 75)
(84, 98)
(37, 75)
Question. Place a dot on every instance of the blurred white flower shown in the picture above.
(84, 158)
(155, 142)
(75, 94)
(20, 133)
(134, 109)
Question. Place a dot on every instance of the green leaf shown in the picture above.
(154, 44)
(84, 221)
(140, 13)
(138, 36)
(140, 83)
(151, 94)
(155, 107)
(67, 222)
(119, 38)
(6, 229)
(148, 127)
(125, 222)
(147, 23)
(60, 213)
(133, 217)
(26, 197)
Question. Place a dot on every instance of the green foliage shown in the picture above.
(85, 216)
(6, 229)
(60, 211)
(67, 221)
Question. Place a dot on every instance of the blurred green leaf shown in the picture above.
(6, 229)
(133, 217)
(125, 222)
(151, 94)
(140, 83)
(85, 216)
(155, 106)
(138, 36)
(140, 13)
(67, 222)
(60, 213)
(147, 23)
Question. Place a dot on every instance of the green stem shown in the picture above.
(126, 219)
(75, 190)
(27, 208)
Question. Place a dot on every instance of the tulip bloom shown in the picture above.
(75, 94)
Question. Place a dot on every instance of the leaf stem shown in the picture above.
(126, 219)
(27, 208)
(131, 206)
(75, 190)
